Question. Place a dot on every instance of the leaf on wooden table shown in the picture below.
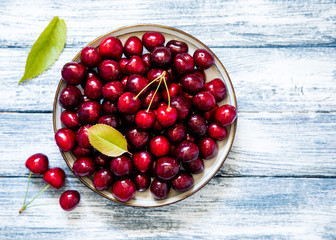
(107, 140)
(46, 49)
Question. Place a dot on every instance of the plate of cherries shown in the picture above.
(170, 97)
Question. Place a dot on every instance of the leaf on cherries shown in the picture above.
(107, 140)
(46, 49)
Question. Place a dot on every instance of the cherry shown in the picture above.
(70, 97)
(73, 73)
(190, 138)
(141, 181)
(137, 138)
(146, 60)
(145, 119)
(200, 73)
(187, 151)
(38, 163)
(154, 73)
(102, 179)
(90, 57)
(128, 104)
(217, 132)
(182, 106)
(101, 160)
(82, 137)
(142, 161)
(191, 83)
(93, 87)
(55, 177)
(157, 126)
(197, 124)
(136, 66)
(167, 168)
(159, 189)
(208, 148)
(124, 80)
(69, 200)
(182, 182)
(203, 59)
(110, 119)
(123, 190)
(177, 133)
(204, 101)
(89, 112)
(174, 91)
(166, 115)
(161, 57)
(79, 151)
(130, 118)
(177, 47)
(122, 64)
(109, 107)
(111, 47)
(136, 83)
(152, 39)
(121, 166)
(109, 70)
(194, 167)
(225, 115)
(159, 146)
(70, 119)
(65, 139)
(133, 46)
(183, 63)
(148, 98)
(188, 96)
(217, 88)
(84, 166)
(113, 90)
(210, 115)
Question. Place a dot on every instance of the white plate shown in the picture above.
(145, 199)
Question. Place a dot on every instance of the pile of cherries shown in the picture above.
(160, 101)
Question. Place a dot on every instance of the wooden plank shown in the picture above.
(217, 23)
(284, 79)
(266, 144)
(234, 208)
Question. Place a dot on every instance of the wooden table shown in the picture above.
(279, 180)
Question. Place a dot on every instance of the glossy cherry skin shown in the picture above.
(217, 88)
(113, 90)
(124, 80)
(70, 97)
(207, 147)
(145, 119)
(166, 116)
(142, 161)
(89, 112)
(177, 133)
(90, 57)
(136, 66)
(137, 138)
(128, 104)
(111, 48)
(69, 200)
(161, 57)
(152, 39)
(154, 73)
(159, 146)
(65, 139)
(73, 73)
(38, 163)
(194, 167)
(70, 119)
(122, 64)
(182, 182)
(136, 83)
(101, 160)
(183, 63)
(93, 88)
(157, 126)
(84, 166)
(166, 168)
(55, 177)
(109, 119)
(159, 189)
(109, 70)
(146, 60)
(141, 181)
(210, 115)
(102, 179)
(217, 132)
(191, 83)
(203, 59)
(109, 107)
(147, 99)
(123, 190)
(79, 151)
(182, 106)
(82, 137)
(197, 124)
(204, 101)
(225, 115)
(174, 90)
(200, 73)
(133, 46)
(121, 166)
(187, 151)
(177, 47)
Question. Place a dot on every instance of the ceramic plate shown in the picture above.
(145, 199)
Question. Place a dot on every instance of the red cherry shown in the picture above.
(161, 57)
(79, 151)
(197, 124)
(136, 138)
(55, 177)
(122, 64)
(148, 98)
(183, 63)
(200, 73)
(145, 119)
(187, 151)
(174, 91)
(82, 137)
(136, 83)
(203, 59)
(38, 163)
(146, 59)
(191, 83)
(159, 189)
(101, 160)
(133, 46)
(177, 133)
(141, 181)
(217, 132)
(69, 200)
(194, 167)
(208, 148)
(210, 115)
(136, 66)
(93, 87)
(154, 73)
(65, 139)
(159, 146)
(111, 47)
(204, 101)
(182, 106)
(73, 73)
(113, 90)
(89, 112)
(70, 119)
(70, 97)
(128, 104)
(166, 168)
(109, 107)
(225, 115)
(177, 47)
(109, 119)
(152, 39)
(90, 57)
(102, 179)
(109, 70)
(166, 116)
(217, 88)
(84, 166)
(142, 161)
(182, 182)
(121, 166)
(123, 190)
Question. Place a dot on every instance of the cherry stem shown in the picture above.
(164, 81)
(25, 206)
(159, 77)
(42, 204)
(25, 198)
(154, 94)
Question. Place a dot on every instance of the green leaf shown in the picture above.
(107, 140)
(46, 49)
